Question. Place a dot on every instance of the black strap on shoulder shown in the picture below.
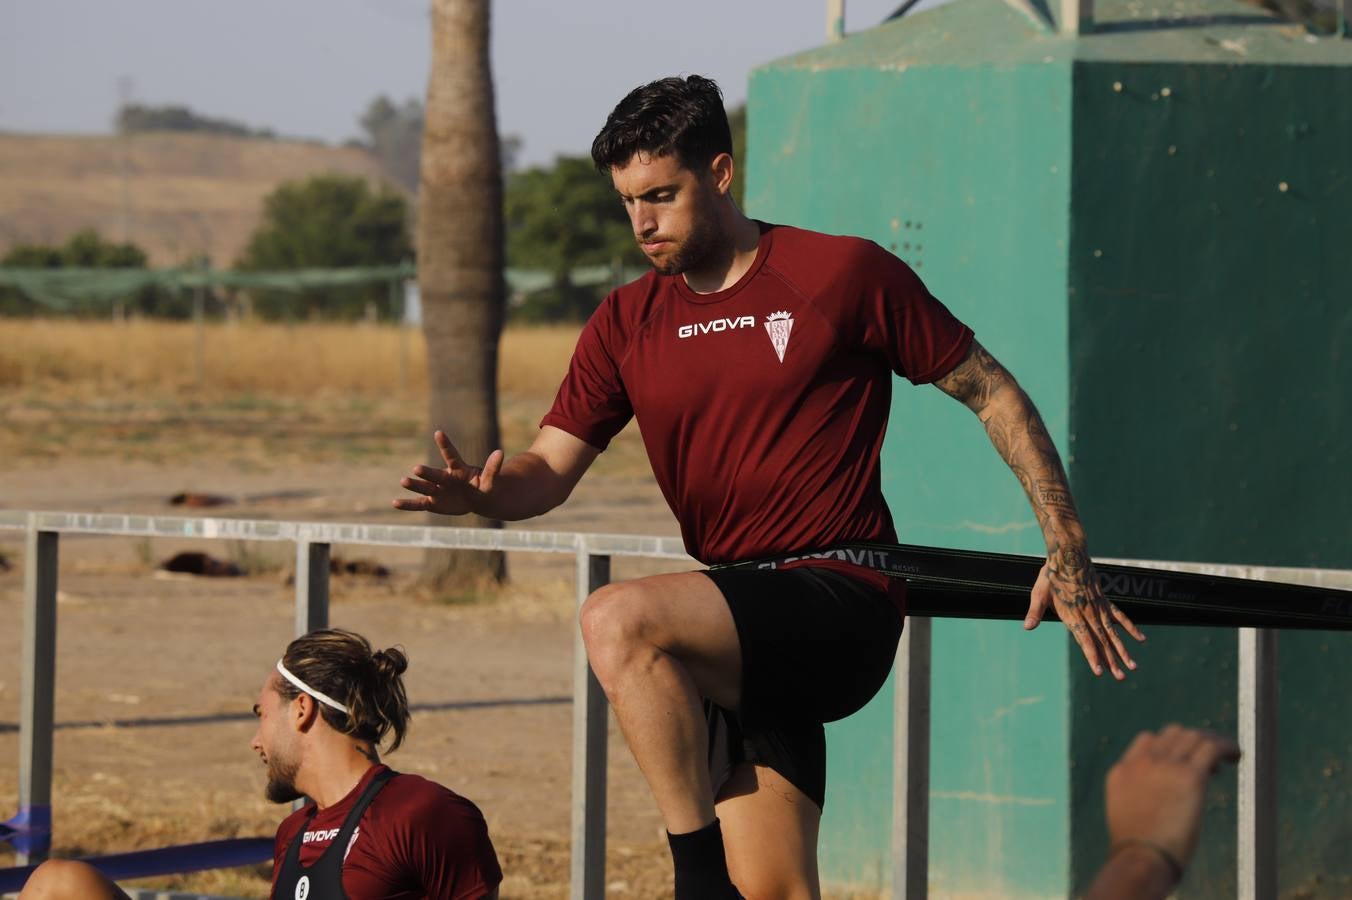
(969, 584)
(323, 880)
(358, 808)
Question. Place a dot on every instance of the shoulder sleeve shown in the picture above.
(923, 341)
(592, 404)
(449, 849)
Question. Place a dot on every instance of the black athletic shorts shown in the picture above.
(816, 646)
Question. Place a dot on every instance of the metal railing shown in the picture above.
(909, 874)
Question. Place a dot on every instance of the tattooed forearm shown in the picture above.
(1068, 580)
(1017, 432)
(976, 378)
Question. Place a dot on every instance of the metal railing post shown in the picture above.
(312, 586)
(1257, 845)
(835, 20)
(588, 878)
(911, 763)
(37, 704)
(1077, 17)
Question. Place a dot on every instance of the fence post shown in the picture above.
(199, 316)
(1257, 844)
(911, 762)
(312, 586)
(588, 881)
(397, 313)
(38, 700)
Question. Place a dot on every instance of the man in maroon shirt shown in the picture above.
(368, 833)
(757, 360)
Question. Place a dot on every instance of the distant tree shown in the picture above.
(133, 118)
(88, 249)
(33, 256)
(510, 150)
(394, 137)
(558, 218)
(394, 133)
(328, 221)
(26, 256)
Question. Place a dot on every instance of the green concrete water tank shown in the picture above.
(1151, 225)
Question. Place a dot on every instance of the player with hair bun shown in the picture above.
(366, 832)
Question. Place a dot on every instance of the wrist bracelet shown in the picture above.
(1175, 867)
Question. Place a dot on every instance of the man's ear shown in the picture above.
(721, 169)
(304, 712)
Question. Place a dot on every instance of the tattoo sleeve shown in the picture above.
(1016, 430)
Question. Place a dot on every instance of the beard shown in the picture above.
(696, 251)
(281, 781)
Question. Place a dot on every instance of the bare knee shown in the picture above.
(757, 881)
(614, 629)
(58, 879)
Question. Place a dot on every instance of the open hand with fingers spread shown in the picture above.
(1068, 582)
(456, 490)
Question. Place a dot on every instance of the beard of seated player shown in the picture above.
(282, 780)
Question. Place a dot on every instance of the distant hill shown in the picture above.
(172, 194)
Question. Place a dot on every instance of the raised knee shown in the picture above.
(57, 879)
(612, 627)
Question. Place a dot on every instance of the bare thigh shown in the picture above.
(770, 834)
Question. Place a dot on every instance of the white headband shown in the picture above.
(322, 698)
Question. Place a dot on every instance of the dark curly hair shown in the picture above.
(368, 682)
(684, 116)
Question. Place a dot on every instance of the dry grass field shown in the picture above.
(175, 195)
(270, 394)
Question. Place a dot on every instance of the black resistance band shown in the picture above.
(968, 584)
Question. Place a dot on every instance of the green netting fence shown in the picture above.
(72, 290)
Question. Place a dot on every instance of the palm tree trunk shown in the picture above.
(460, 259)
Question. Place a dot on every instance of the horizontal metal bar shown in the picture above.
(1329, 578)
(515, 539)
(345, 533)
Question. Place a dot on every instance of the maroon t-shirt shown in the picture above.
(763, 407)
(417, 839)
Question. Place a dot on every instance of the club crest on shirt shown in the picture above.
(779, 325)
(352, 840)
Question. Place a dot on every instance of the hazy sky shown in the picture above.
(309, 67)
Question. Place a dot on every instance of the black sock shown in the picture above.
(701, 866)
